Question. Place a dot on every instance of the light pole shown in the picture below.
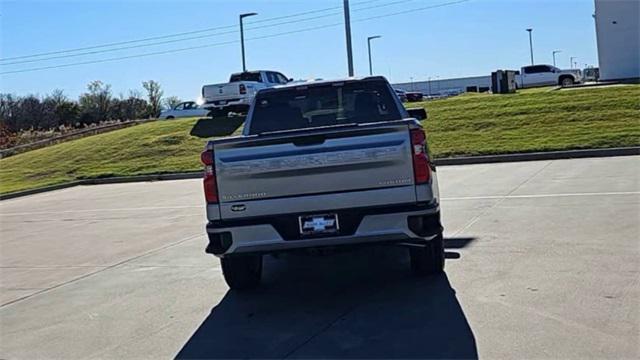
(242, 16)
(530, 44)
(347, 30)
(571, 61)
(369, 48)
(554, 56)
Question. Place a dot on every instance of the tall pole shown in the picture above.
(429, 85)
(369, 48)
(242, 16)
(554, 56)
(530, 44)
(347, 30)
(571, 61)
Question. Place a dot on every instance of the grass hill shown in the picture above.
(470, 124)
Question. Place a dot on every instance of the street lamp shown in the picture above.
(554, 56)
(369, 48)
(571, 61)
(242, 16)
(347, 31)
(530, 44)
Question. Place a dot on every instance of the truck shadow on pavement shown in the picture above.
(358, 304)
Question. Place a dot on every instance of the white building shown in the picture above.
(448, 86)
(618, 35)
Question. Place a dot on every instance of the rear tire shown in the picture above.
(566, 81)
(242, 272)
(428, 260)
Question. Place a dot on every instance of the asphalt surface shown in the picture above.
(543, 262)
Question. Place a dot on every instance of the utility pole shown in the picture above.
(242, 16)
(369, 48)
(554, 56)
(347, 30)
(530, 44)
(571, 61)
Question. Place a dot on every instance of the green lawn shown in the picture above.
(535, 120)
(471, 124)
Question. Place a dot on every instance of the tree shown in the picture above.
(8, 110)
(154, 93)
(131, 108)
(65, 112)
(171, 102)
(30, 112)
(95, 103)
(58, 97)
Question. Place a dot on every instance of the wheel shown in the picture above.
(170, 117)
(566, 81)
(242, 272)
(428, 260)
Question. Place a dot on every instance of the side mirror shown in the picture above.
(418, 113)
(215, 127)
(290, 79)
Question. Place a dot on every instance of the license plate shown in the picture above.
(222, 102)
(318, 224)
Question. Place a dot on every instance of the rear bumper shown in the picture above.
(246, 101)
(412, 224)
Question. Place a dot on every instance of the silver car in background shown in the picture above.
(184, 109)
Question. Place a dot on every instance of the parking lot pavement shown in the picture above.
(543, 262)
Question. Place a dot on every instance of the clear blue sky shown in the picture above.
(471, 38)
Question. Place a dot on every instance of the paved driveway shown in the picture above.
(543, 262)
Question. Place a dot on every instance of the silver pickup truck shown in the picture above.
(322, 164)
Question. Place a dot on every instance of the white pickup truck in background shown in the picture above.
(545, 75)
(236, 95)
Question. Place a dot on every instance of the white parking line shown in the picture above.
(149, 208)
(534, 196)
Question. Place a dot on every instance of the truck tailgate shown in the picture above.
(220, 91)
(311, 165)
(227, 91)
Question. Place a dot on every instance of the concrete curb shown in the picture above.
(534, 156)
(39, 190)
(112, 180)
(467, 160)
(139, 178)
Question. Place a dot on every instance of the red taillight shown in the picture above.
(210, 186)
(421, 169)
(242, 88)
(207, 158)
